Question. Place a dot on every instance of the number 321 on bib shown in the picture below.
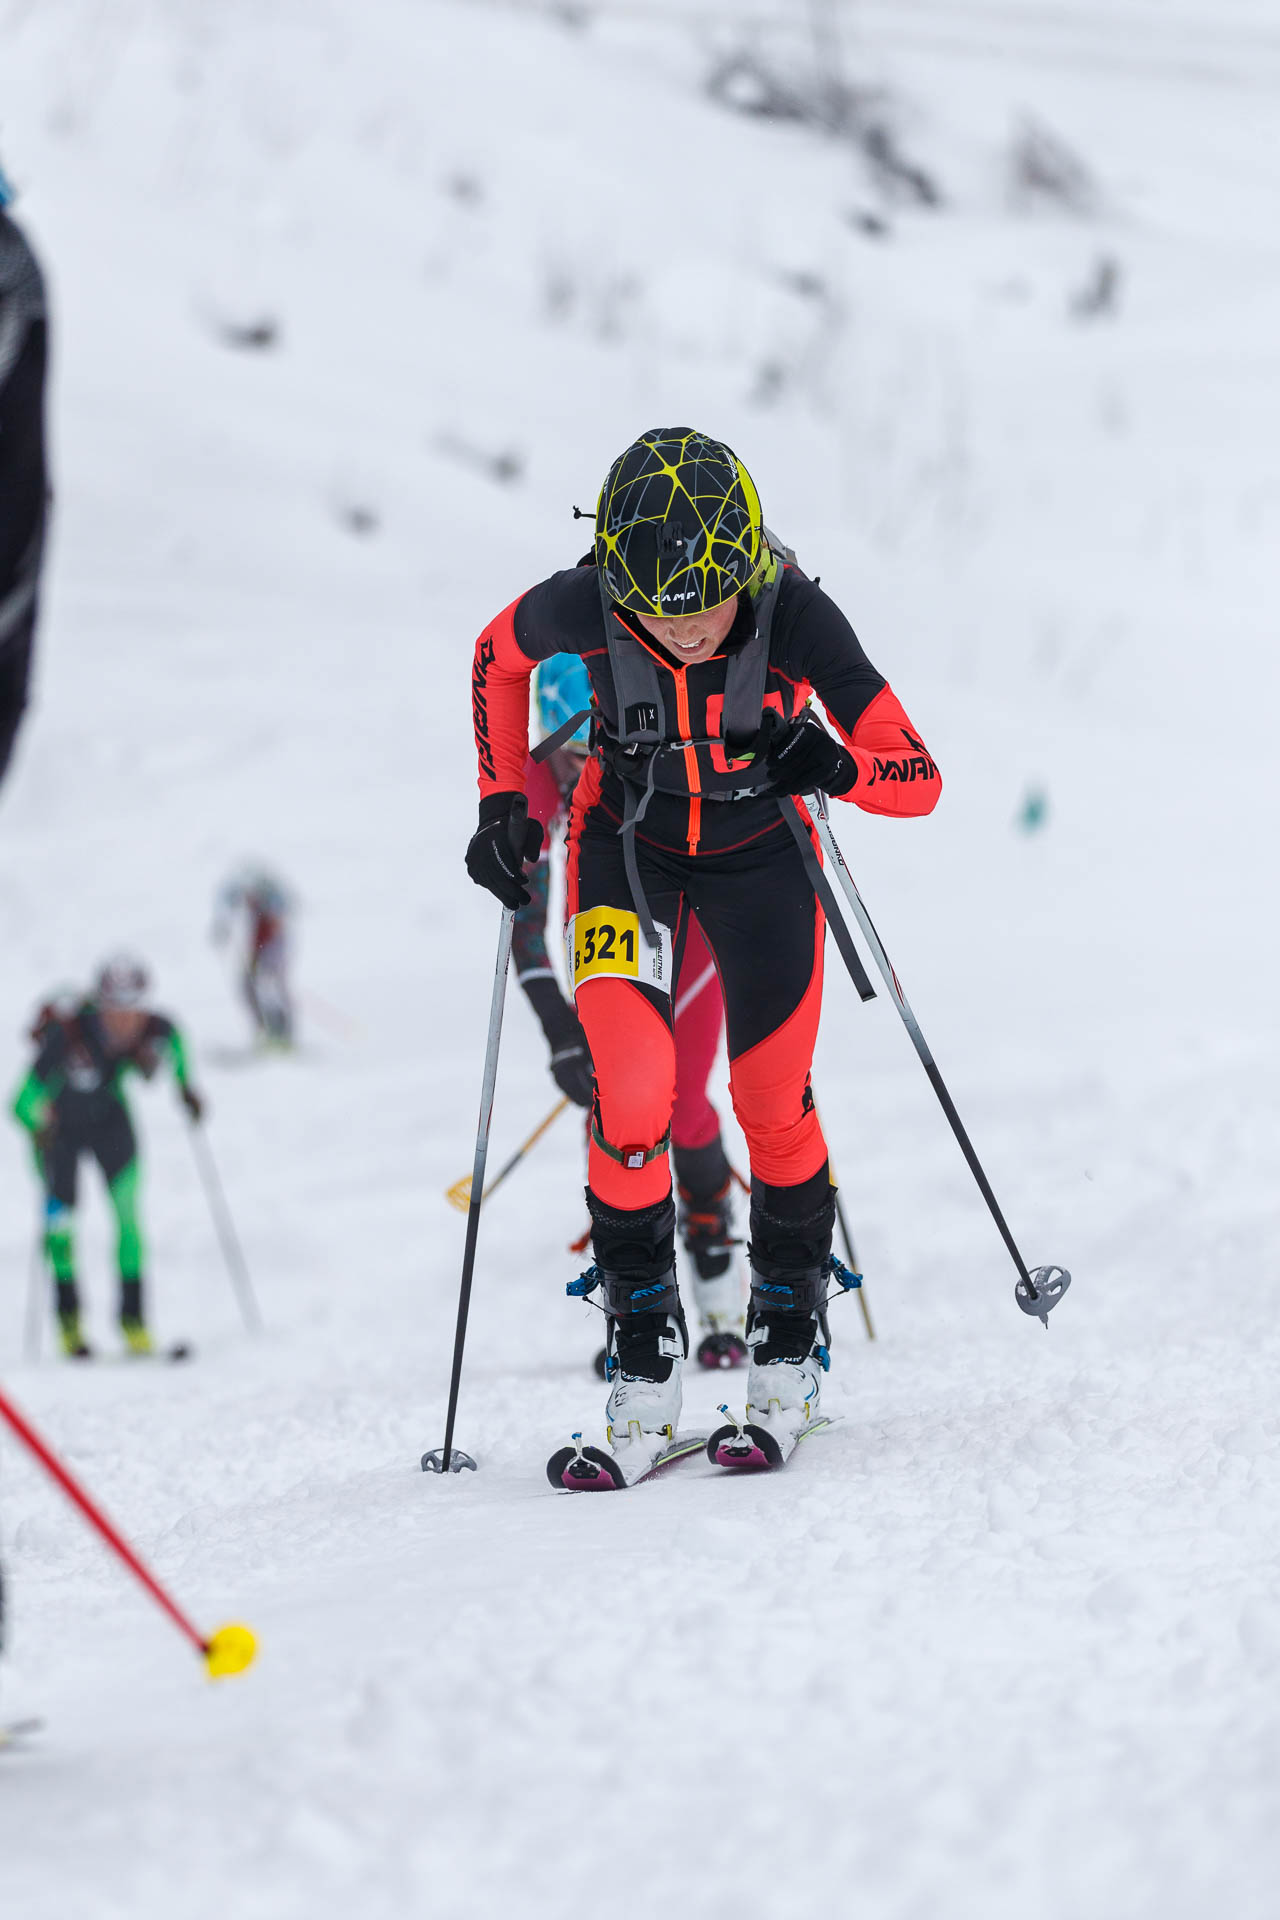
(607, 942)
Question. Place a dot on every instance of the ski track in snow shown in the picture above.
(1006, 1640)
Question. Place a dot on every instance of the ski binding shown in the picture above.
(579, 1469)
(754, 1446)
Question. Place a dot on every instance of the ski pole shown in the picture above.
(690, 994)
(850, 1251)
(852, 1257)
(445, 1459)
(1038, 1291)
(227, 1651)
(35, 1301)
(225, 1229)
(459, 1194)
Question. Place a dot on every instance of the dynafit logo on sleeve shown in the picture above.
(484, 659)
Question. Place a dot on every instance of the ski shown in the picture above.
(579, 1469)
(17, 1731)
(172, 1355)
(753, 1447)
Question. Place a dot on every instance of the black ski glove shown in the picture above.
(192, 1102)
(570, 1056)
(500, 845)
(802, 757)
(572, 1073)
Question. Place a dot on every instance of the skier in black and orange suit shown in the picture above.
(697, 636)
(704, 1177)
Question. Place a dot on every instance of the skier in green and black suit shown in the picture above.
(72, 1102)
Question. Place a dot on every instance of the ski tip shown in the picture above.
(230, 1650)
(717, 1352)
(579, 1469)
(747, 1448)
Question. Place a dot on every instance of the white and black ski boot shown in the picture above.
(644, 1357)
(786, 1331)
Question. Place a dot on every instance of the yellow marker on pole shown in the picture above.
(230, 1650)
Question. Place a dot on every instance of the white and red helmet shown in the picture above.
(122, 981)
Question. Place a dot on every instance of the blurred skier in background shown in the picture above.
(703, 1174)
(703, 640)
(261, 903)
(72, 1103)
(24, 482)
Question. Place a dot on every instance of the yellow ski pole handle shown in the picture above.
(459, 1194)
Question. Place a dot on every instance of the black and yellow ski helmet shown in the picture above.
(678, 525)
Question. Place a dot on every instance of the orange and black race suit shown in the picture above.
(732, 863)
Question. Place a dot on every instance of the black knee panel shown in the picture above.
(703, 1172)
(791, 1231)
(635, 1252)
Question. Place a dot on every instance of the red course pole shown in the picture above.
(217, 1652)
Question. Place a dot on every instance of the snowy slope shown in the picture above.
(1006, 1641)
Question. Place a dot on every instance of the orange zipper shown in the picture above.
(690, 758)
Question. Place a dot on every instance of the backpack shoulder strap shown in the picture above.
(636, 688)
(749, 667)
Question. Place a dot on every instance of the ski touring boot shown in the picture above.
(786, 1331)
(706, 1228)
(133, 1325)
(70, 1333)
(645, 1353)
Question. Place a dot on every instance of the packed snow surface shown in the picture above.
(1006, 1640)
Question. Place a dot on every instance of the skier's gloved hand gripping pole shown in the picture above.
(503, 841)
(1037, 1291)
(229, 1650)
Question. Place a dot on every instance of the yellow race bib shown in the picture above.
(606, 942)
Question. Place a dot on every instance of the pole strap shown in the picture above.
(545, 748)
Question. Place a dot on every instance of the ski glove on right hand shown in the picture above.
(500, 846)
(802, 756)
